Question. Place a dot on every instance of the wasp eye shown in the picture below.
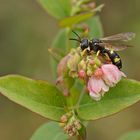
(84, 44)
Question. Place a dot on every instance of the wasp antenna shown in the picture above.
(75, 39)
(77, 35)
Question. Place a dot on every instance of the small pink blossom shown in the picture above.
(92, 62)
(97, 87)
(82, 74)
(98, 73)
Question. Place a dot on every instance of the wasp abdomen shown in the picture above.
(115, 58)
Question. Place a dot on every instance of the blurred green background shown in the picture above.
(26, 32)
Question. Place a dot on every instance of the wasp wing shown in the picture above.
(119, 37)
(114, 46)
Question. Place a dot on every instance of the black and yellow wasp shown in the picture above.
(107, 45)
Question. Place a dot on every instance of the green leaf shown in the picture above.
(59, 9)
(72, 20)
(56, 54)
(38, 96)
(60, 40)
(126, 93)
(135, 135)
(49, 131)
(95, 27)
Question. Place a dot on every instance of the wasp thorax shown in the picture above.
(94, 45)
(95, 41)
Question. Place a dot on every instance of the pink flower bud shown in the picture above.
(81, 74)
(91, 62)
(63, 119)
(98, 73)
(62, 66)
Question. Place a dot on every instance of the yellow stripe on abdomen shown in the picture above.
(116, 59)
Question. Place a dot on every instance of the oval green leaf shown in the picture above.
(126, 93)
(69, 21)
(38, 96)
(59, 9)
(60, 41)
(95, 27)
(135, 135)
(49, 131)
(75, 19)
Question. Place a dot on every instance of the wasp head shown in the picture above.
(84, 43)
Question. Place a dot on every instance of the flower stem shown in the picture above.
(80, 98)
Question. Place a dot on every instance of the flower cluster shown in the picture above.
(98, 72)
(70, 124)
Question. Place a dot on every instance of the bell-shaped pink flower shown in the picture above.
(106, 76)
(111, 74)
(97, 87)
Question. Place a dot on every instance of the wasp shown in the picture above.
(107, 46)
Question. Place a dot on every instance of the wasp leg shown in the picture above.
(98, 52)
(84, 52)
